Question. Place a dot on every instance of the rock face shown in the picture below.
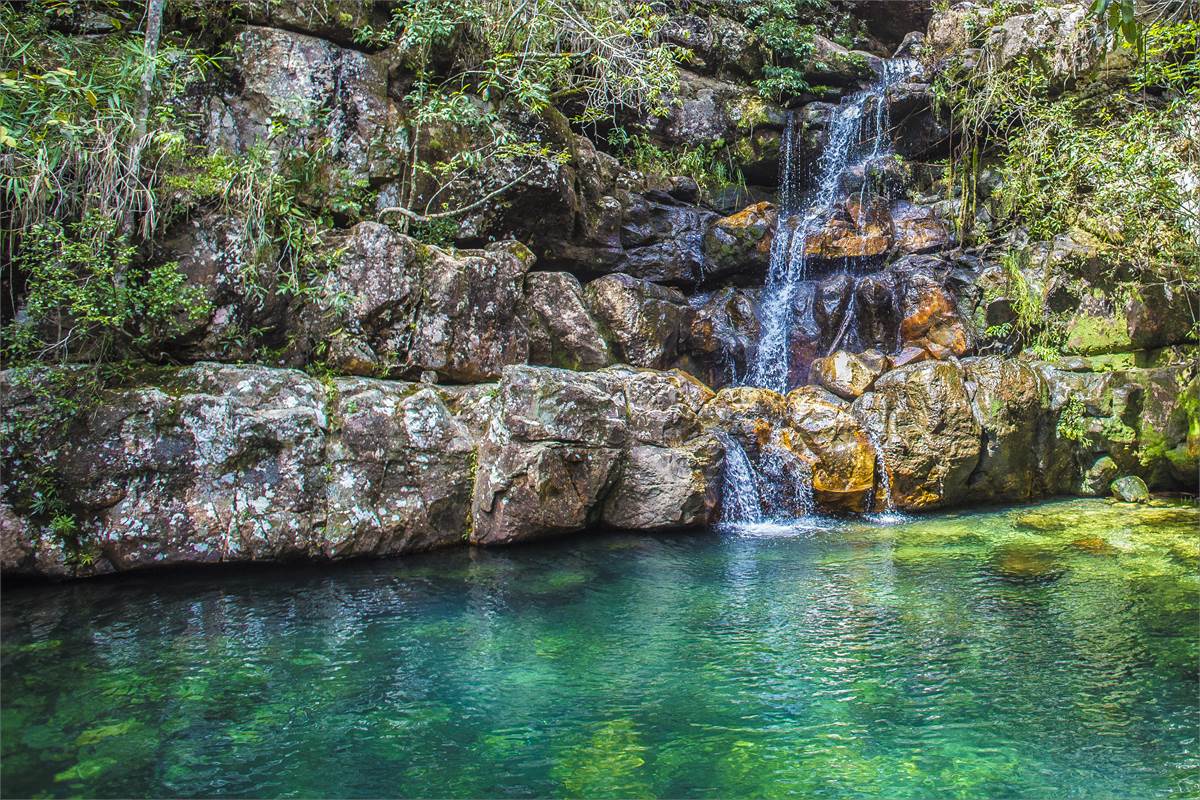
(401, 308)
(567, 450)
(216, 463)
(562, 331)
(284, 75)
(929, 438)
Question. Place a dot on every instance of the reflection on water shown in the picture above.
(1036, 652)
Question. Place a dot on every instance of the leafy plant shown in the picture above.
(86, 300)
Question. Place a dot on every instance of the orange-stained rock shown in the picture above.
(843, 472)
(842, 239)
(846, 374)
(741, 241)
(931, 319)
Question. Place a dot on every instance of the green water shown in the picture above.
(1042, 652)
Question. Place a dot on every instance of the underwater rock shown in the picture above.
(1025, 562)
(1130, 489)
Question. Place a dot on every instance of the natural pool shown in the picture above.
(1044, 651)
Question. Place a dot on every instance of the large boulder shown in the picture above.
(396, 307)
(218, 463)
(843, 473)
(643, 321)
(570, 449)
(930, 316)
(562, 332)
(662, 239)
(1011, 404)
(929, 438)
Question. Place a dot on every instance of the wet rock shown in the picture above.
(723, 337)
(643, 321)
(843, 474)
(845, 238)
(663, 241)
(562, 332)
(1130, 489)
(740, 244)
(930, 314)
(877, 322)
(747, 412)
(921, 415)
(845, 374)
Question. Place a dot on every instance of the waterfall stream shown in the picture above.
(859, 135)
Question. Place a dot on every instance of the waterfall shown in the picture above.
(798, 220)
(859, 136)
(741, 501)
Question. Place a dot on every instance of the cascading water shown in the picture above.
(859, 136)
(741, 501)
(848, 147)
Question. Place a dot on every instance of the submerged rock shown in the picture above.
(1025, 562)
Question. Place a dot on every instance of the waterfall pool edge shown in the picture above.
(1021, 652)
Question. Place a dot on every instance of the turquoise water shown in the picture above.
(1042, 652)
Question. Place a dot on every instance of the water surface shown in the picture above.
(1045, 651)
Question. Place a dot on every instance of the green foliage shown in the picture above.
(781, 82)
(1108, 160)
(1071, 422)
(709, 164)
(67, 131)
(86, 300)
